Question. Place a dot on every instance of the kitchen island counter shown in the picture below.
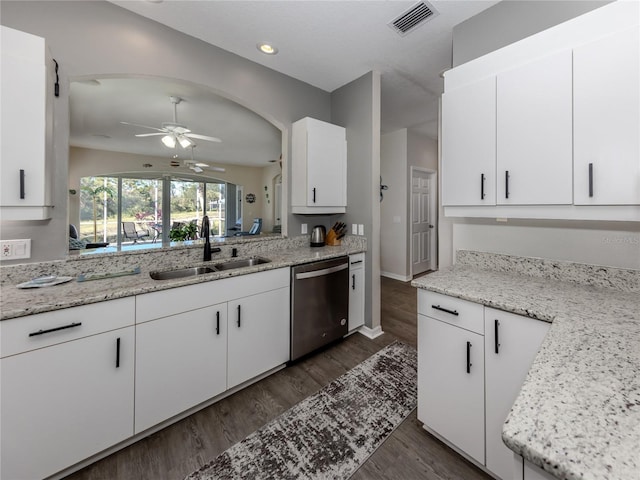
(17, 302)
(577, 415)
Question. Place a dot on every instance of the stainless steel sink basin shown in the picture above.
(181, 273)
(247, 262)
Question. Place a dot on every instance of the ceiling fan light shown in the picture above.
(185, 142)
(197, 169)
(169, 141)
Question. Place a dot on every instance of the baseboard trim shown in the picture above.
(370, 333)
(395, 276)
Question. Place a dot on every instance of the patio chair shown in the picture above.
(130, 232)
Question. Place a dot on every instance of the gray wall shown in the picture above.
(93, 38)
(356, 106)
(510, 21)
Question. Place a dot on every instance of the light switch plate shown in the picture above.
(15, 249)
(303, 229)
(354, 229)
(360, 229)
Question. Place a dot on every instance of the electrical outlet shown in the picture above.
(354, 229)
(15, 249)
(303, 229)
(360, 229)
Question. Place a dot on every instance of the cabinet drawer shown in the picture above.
(45, 329)
(454, 311)
(356, 261)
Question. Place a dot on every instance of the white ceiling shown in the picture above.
(324, 43)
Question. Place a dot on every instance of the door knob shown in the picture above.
(430, 226)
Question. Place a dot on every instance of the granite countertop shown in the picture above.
(578, 413)
(17, 302)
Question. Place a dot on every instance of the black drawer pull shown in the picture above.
(496, 324)
(21, 184)
(42, 332)
(356, 262)
(217, 323)
(469, 364)
(590, 180)
(118, 353)
(438, 307)
(239, 314)
(482, 186)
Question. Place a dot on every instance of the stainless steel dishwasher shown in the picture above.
(319, 304)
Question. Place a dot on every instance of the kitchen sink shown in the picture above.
(247, 262)
(181, 273)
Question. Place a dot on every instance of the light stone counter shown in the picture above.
(15, 302)
(578, 413)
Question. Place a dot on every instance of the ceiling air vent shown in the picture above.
(412, 18)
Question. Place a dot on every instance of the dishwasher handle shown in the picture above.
(321, 273)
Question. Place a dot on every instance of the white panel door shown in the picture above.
(451, 384)
(511, 344)
(469, 144)
(422, 229)
(534, 133)
(64, 403)
(606, 89)
(258, 335)
(181, 361)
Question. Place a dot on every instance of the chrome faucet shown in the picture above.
(205, 232)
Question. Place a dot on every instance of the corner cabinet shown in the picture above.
(472, 361)
(67, 386)
(318, 167)
(356, 291)
(26, 106)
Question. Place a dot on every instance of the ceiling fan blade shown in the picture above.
(143, 126)
(202, 137)
(150, 134)
(218, 169)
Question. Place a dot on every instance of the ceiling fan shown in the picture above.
(195, 165)
(174, 133)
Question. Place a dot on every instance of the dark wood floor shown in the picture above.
(409, 453)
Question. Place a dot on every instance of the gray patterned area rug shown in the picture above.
(331, 433)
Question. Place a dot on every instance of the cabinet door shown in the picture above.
(511, 344)
(326, 165)
(258, 335)
(607, 120)
(356, 298)
(26, 126)
(181, 361)
(451, 384)
(469, 144)
(64, 403)
(534, 134)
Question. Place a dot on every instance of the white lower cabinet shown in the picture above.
(258, 335)
(451, 374)
(71, 399)
(472, 361)
(511, 344)
(356, 291)
(181, 361)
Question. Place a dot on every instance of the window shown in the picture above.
(141, 202)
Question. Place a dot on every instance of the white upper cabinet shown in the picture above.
(469, 144)
(318, 167)
(534, 144)
(607, 120)
(26, 93)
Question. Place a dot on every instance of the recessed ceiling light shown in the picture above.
(267, 48)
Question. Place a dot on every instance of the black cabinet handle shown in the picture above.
(438, 307)
(496, 324)
(118, 353)
(506, 184)
(239, 314)
(469, 357)
(356, 262)
(217, 323)
(482, 186)
(590, 180)
(314, 194)
(64, 327)
(21, 184)
(353, 282)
